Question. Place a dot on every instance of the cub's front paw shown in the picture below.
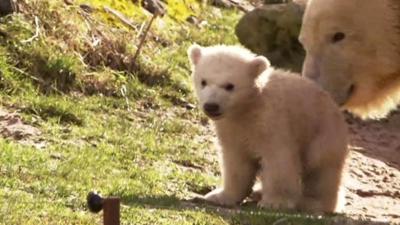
(221, 197)
(277, 203)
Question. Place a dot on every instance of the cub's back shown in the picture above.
(307, 109)
(297, 93)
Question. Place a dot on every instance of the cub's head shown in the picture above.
(353, 50)
(224, 78)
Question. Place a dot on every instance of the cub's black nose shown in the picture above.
(211, 108)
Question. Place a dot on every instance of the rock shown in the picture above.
(239, 4)
(284, 1)
(7, 7)
(272, 30)
(69, 2)
(276, 1)
(87, 8)
(192, 20)
(12, 126)
(222, 3)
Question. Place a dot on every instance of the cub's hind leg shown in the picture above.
(321, 190)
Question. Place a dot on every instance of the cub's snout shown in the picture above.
(212, 110)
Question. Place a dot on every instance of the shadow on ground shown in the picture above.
(245, 214)
(378, 139)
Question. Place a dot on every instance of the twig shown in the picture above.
(26, 74)
(124, 94)
(120, 16)
(143, 39)
(141, 29)
(129, 23)
(36, 32)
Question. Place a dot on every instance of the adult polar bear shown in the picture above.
(353, 51)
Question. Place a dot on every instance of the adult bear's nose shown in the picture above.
(211, 108)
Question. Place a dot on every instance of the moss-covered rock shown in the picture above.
(272, 30)
(7, 7)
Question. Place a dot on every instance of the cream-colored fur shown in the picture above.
(273, 124)
(361, 71)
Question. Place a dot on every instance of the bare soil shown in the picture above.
(372, 178)
(372, 173)
(13, 127)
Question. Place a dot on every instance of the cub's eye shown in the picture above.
(229, 87)
(203, 83)
(339, 36)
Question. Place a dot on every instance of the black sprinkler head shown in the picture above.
(94, 202)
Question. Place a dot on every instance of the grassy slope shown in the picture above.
(145, 146)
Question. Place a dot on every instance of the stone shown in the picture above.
(242, 5)
(222, 3)
(7, 7)
(272, 30)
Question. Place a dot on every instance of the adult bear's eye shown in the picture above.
(229, 87)
(339, 36)
(203, 83)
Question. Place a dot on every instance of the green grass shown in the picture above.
(105, 127)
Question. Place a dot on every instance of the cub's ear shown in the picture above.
(258, 65)
(194, 53)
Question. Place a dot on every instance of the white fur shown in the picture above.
(367, 58)
(275, 124)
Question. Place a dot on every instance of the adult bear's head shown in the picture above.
(353, 52)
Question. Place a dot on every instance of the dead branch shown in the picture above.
(143, 39)
(36, 32)
(120, 16)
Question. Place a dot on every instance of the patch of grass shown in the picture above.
(53, 70)
(126, 131)
(62, 111)
(11, 79)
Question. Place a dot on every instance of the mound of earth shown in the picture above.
(12, 127)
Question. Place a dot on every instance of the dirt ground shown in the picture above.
(372, 178)
(12, 127)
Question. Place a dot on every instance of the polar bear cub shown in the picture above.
(271, 124)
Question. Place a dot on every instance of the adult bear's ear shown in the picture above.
(258, 65)
(194, 53)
